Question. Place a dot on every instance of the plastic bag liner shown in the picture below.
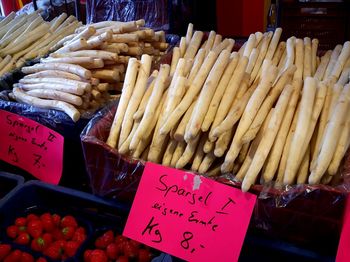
(74, 173)
(153, 11)
(303, 214)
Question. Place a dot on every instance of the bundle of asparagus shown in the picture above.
(26, 37)
(86, 65)
(124, 39)
(272, 108)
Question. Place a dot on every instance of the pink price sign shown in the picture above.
(189, 216)
(343, 254)
(31, 146)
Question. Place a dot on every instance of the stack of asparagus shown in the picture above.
(26, 37)
(126, 39)
(86, 65)
(273, 110)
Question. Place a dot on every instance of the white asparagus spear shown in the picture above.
(199, 154)
(272, 97)
(70, 110)
(248, 116)
(321, 69)
(210, 42)
(194, 45)
(179, 150)
(151, 107)
(248, 150)
(314, 46)
(135, 99)
(219, 92)
(304, 167)
(341, 149)
(189, 34)
(128, 88)
(268, 139)
(273, 44)
(70, 68)
(279, 52)
(344, 55)
(299, 137)
(175, 58)
(183, 46)
(192, 92)
(56, 95)
(331, 136)
(196, 65)
(206, 95)
(334, 58)
(307, 71)
(229, 95)
(169, 151)
(188, 153)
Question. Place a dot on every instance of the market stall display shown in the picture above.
(273, 106)
(28, 36)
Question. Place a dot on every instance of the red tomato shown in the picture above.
(26, 257)
(144, 255)
(56, 219)
(135, 243)
(53, 252)
(35, 228)
(130, 251)
(23, 239)
(71, 248)
(100, 243)
(4, 251)
(39, 244)
(12, 231)
(21, 221)
(122, 259)
(69, 221)
(81, 230)
(47, 222)
(14, 256)
(108, 237)
(112, 251)
(87, 255)
(47, 237)
(57, 234)
(32, 217)
(98, 255)
(119, 239)
(79, 237)
(68, 232)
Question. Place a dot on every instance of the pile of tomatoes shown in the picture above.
(55, 237)
(114, 247)
(7, 254)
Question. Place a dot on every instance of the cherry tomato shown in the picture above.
(68, 232)
(144, 255)
(21, 221)
(4, 251)
(130, 251)
(26, 257)
(14, 256)
(23, 239)
(12, 231)
(98, 255)
(41, 259)
(112, 251)
(71, 248)
(56, 219)
(35, 228)
(87, 255)
(69, 221)
(32, 217)
(47, 222)
(53, 252)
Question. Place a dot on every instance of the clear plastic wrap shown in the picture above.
(303, 214)
(153, 11)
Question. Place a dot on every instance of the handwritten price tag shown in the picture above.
(31, 146)
(343, 254)
(189, 216)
